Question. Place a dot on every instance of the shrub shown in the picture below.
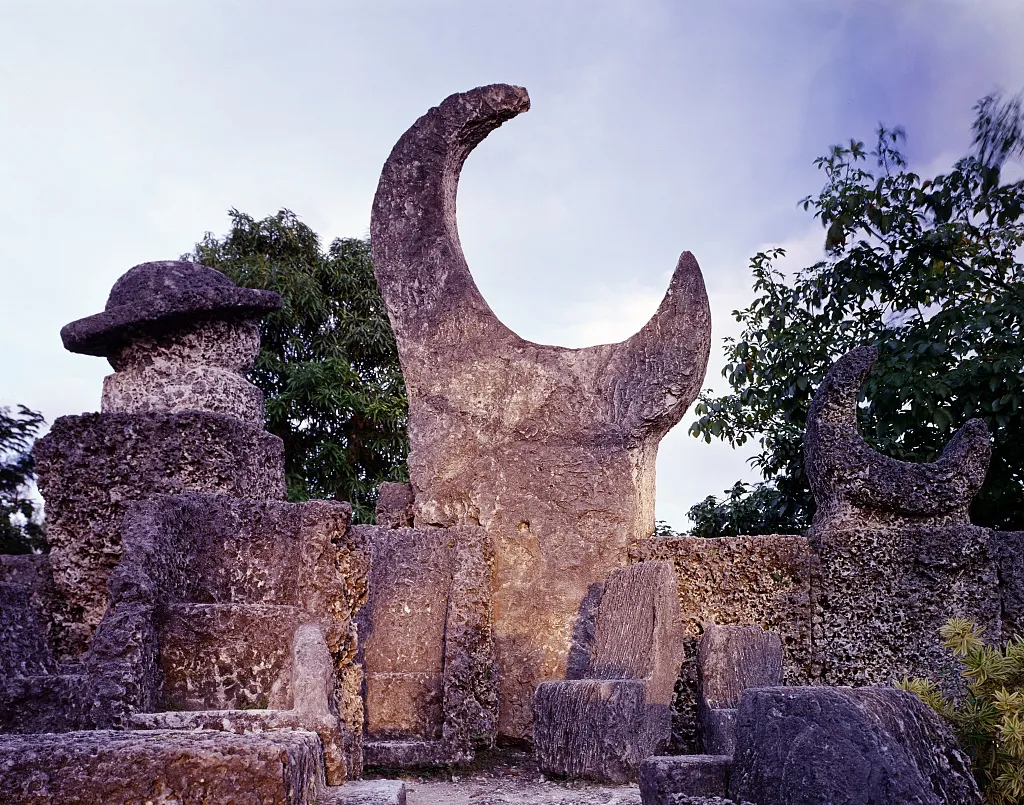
(989, 719)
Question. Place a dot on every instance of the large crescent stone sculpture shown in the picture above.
(552, 450)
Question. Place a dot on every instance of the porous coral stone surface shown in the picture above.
(551, 450)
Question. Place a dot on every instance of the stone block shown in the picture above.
(48, 703)
(426, 640)
(23, 647)
(394, 505)
(637, 633)
(665, 777)
(731, 659)
(771, 581)
(226, 657)
(860, 746)
(91, 467)
(1008, 549)
(885, 593)
(596, 729)
(163, 768)
(367, 792)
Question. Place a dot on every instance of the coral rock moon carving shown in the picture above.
(552, 450)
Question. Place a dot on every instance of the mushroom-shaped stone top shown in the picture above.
(156, 297)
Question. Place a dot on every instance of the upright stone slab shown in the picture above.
(603, 725)
(898, 554)
(426, 645)
(551, 450)
(177, 415)
(731, 659)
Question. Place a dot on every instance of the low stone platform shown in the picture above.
(158, 768)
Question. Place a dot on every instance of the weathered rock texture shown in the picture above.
(602, 725)
(1008, 548)
(809, 745)
(161, 768)
(394, 505)
(767, 581)
(731, 659)
(225, 605)
(551, 450)
(426, 644)
(855, 486)
(663, 778)
(91, 467)
(898, 555)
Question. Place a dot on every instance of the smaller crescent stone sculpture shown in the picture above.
(856, 486)
(552, 450)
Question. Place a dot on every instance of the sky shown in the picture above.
(129, 129)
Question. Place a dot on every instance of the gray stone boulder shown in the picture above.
(858, 746)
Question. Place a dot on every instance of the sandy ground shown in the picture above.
(511, 778)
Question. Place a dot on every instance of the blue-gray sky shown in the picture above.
(128, 129)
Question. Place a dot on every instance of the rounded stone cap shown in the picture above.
(157, 296)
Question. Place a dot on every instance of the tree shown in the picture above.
(21, 527)
(929, 271)
(328, 363)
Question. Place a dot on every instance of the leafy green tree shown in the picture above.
(328, 364)
(927, 269)
(21, 526)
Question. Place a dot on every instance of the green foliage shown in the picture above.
(21, 526)
(989, 720)
(328, 364)
(927, 269)
(663, 529)
(747, 509)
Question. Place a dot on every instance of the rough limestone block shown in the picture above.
(886, 593)
(469, 684)
(367, 792)
(162, 768)
(856, 487)
(48, 703)
(636, 639)
(426, 640)
(664, 777)
(226, 657)
(551, 450)
(595, 729)
(23, 647)
(394, 505)
(771, 581)
(731, 659)
(91, 467)
(268, 575)
(1008, 548)
(860, 746)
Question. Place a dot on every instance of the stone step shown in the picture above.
(85, 768)
(665, 778)
(366, 792)
(405, 754)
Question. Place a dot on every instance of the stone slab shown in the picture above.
(162, 768)
(664, 777)
(596, 729)
(366, 792)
